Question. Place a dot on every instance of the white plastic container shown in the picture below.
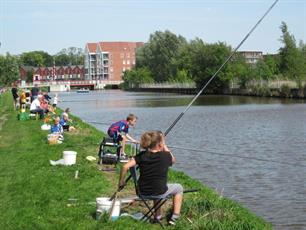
(104, 205)
(69, 157)
(45, 127)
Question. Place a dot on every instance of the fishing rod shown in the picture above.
(237, 156)
(220, 68)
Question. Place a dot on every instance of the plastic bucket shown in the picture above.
(69, 157)
(104, 205)
(52, 139)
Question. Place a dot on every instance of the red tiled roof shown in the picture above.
(92, 47)
(119, 46)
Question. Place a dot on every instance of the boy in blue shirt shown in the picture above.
(57, 128)
(119, 132)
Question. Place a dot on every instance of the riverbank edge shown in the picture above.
(204, 209)
(255, 92)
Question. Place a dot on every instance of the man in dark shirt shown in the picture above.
(153, 164)
(14, 91)
(34, 92)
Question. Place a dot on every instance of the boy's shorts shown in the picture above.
(116, 136)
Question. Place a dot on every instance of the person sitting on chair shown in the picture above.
(36, 106)
(119, 132)
(153, 164)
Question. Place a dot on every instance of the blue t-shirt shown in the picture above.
(57, 128)
(116, 128)
(63, 122)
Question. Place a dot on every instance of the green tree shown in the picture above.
(70, 56)
(238, 71)
(133, 78)
(9, 70)
(292, 62)
(36, 59)
(202, 61)
(62, 60)
(160, 55)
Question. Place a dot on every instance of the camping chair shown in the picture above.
(109, 152)
(158, 201)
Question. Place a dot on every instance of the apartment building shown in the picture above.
(109, 60)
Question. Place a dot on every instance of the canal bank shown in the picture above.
(277, 89)
(36, 195)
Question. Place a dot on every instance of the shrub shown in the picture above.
(285, 91)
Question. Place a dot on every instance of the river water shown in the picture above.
(248, 127)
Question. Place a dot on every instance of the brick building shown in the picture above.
(108, 60)
(56, 73)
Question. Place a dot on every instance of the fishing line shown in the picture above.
(237, 156)
(80, 100)
(220, 68)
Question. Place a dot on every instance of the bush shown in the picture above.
(285, 91)
(261, 90)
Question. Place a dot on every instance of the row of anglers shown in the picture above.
(23, 99)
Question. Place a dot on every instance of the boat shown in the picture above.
(83, 90)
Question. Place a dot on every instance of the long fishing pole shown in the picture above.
(237, 156)
(220, 68)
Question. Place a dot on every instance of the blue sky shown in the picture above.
(50, 25)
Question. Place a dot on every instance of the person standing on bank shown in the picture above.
(34, 92)
(154, 163)
(15, 95)
(119, 132)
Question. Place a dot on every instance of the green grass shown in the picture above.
(35, 195)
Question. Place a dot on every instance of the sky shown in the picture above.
(51, 25)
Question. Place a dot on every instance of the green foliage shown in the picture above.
(285, 91)
(182, 77)
(261, 90)
(133, 78)
(293, 61)
(160, 53)
(36, 59)
(9, 71)
(70, 56)
(204, 60)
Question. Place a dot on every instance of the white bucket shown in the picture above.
(104, 205)
(45, 127)
(69, 157)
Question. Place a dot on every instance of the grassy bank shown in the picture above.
(35, 195)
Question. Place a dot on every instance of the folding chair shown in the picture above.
(158, 201)
(109, 152)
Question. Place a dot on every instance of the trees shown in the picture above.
(70, 56)
(9, 71)
(292, 61)
(160, 55)
(202, 61)
(135, 77)
(36, 59)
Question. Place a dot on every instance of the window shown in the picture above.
(121, 55)
(128, 62)
(123, 62)
(128, 55)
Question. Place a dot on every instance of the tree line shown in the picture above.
(167, 57)
(9, 64)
